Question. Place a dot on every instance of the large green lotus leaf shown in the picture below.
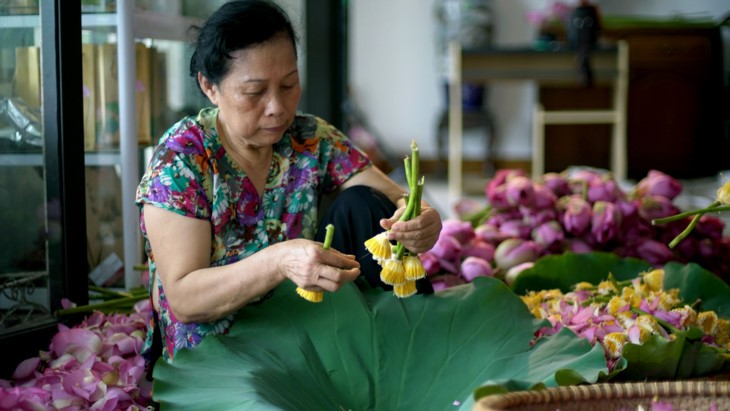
(369, 351)
(562, 271)
(696, 283)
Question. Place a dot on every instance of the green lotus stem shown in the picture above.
(681, 236)
(407, 169)
(116, 303)
(328, 234)
(715, 206)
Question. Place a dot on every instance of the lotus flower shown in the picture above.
(657, 183)
(655, 252)
(577, 216)
(548, 234)
(652, 207)
(473, 267)
(606, 222)
(519, 191)
(514, 251)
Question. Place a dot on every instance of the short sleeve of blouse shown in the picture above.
(340, 157)
(175, 177)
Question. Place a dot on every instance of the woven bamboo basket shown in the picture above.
(681, 395)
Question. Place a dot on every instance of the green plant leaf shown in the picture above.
(367, 350)
(562, 271)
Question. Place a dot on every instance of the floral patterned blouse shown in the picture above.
(191, 174)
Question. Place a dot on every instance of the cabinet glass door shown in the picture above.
(24, 211)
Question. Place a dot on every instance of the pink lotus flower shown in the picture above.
(478, 248)
(462, 231)
(445, 281)
(654, 252)
(557, 183)
(657, 183)
(548, 234)
(519, 191)
(577, 216)
(606, 222)
(473, 267)
(652, 207)
(514, 251)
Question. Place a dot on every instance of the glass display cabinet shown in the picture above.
(86, 89)
(42, 248)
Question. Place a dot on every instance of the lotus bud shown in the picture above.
(544, 197)
(657, 183)
(577, 216)
(577, 246)
(466, 206)
(604, 189)
(710, 227)
(514, 251)
(478, 248)
(652, 207)
(723, 193)
(405, 290)
(430, 263)
(511, 275)
(414, 270)
(606, 222)
(445, 281)
(536, 216)
(548, 234)
(515, 229)
(520, 192)
(557, 183)
(497, 197)
(393, 272)
(655, 252)
(447, 248)
(473, 267)
(490, 233)
(462, 231)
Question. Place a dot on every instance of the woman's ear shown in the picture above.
(209, 89)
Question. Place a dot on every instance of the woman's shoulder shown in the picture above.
(190, 134)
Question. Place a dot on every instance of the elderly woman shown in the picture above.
(230, 198)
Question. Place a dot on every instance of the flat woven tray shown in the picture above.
(681, 395)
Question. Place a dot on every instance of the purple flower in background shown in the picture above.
(515, 229)
(473, 267)
(710, 226)
(442, 282)
(446, 248)
(578, 246)
(655, 252)
(577, 216)
(657, 183)
(462, 231)
(478, 248)
(606, 222)
(604, 189)
(545, 198)
(548, 234)
(519, 191)
(652, 207)
(511, 275)
(535, 217)
(557, 183)
(490, 233)
(430, 263)
(514, 251)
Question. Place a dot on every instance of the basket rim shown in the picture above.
(716, 390)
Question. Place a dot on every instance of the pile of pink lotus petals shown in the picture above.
(581, 212)
(94, 365)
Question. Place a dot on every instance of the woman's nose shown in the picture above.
(275, 104)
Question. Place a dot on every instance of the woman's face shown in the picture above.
(258, 98)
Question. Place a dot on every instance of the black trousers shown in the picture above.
(356, 214)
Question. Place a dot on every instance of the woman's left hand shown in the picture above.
(418, 234)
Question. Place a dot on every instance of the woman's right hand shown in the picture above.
(313, 268)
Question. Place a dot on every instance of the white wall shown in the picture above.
(393, 70)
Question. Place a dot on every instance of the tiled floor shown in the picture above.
(696, 193)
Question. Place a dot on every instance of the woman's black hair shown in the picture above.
(234, 26)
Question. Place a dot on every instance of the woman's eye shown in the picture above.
(253, 92)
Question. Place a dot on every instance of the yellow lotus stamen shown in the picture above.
(723, 193)
(606, 287)
(318, 296)
(379, 246)
(615, 305)
(707, 321)
(393, 272)
(404, 290)
(625, 318)
(583, 285)
(648, 323)
(614, 343)
(654, 279)
(689, 315)
(413, 268)
(313, 296)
